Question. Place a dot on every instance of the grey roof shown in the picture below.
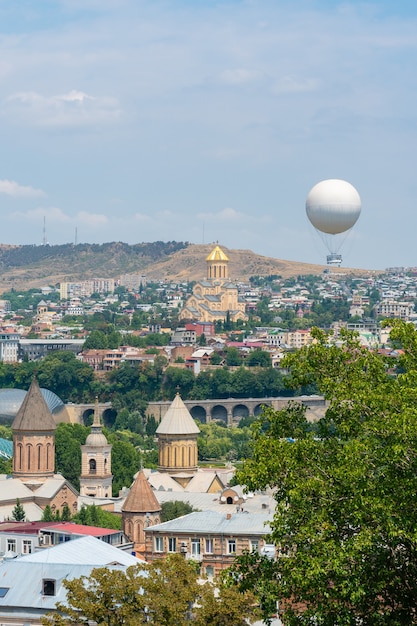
(212, 501)
(85, 550)
(214, 522)
(23, 576)
(177, 420)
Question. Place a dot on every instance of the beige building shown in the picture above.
(177, 442)
(215, 298)
(210, 538)
(96, 477)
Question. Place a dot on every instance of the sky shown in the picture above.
(208, 120)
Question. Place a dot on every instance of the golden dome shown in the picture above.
(217, 254)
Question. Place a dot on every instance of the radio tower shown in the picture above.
(44, 240)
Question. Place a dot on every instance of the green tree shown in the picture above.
(175, 508)
(258, 358)
(233, 357)
(68, 441)
(48, 515)
(164, 593)
(345, 516)
(18, 512)
(95, 516)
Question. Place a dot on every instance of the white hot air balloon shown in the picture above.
(333, 207)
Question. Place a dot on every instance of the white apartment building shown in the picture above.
(391, 308)
(9, 347)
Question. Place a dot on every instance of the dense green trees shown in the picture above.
(345, 518)
(129, 386)
(174, 508)
(217, 441)
(164, 593)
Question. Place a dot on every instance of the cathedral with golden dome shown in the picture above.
(216, 297)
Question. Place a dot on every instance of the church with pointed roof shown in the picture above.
(216, 297)
(33, 480)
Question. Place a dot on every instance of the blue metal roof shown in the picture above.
(6, 449)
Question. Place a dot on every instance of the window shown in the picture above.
(48, 587)
(11, 545)
(209, 571)
(159, 544)
(27, 546)
(3, 591)
(254, 545)
(93, 466)
(172, 544)
(209, 546)
(231, 546)
(195, 546)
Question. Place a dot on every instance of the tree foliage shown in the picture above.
(345, 516)
(164, 593)
(175, 508)
(18, 513)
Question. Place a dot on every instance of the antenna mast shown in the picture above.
(44, 241)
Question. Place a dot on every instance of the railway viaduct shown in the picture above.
(228, 410)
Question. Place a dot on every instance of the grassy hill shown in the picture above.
(25, 267)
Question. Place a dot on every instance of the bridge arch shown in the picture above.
(219, 413)
(87, 417)
(199, 413)
(257, 410)
(240, 411)
(109, 417)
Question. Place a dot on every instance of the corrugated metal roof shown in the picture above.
(216, 523)
(85, 550)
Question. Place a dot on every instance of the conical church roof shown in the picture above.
(34, 414)
(141, 498)
(177, 420)
(217, 254)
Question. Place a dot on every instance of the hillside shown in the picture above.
(25, 267)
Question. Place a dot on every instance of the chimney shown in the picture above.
(228, 516)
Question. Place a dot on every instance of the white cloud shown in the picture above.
(53, 214)
(74, 108)
(12, 188)
(141, 217)
(91, 219)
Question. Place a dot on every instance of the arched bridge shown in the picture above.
(229, 410)
(232, 410)
(84, 413)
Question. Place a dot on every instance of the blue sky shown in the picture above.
(204, 120)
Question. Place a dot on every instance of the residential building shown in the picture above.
(9, 347)
(211, 538)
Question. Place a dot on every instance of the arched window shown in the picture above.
(48, 455)
(29, 455)
(39, 450)
(20, 455)
(93, 466)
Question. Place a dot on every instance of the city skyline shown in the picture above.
(135, 121)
